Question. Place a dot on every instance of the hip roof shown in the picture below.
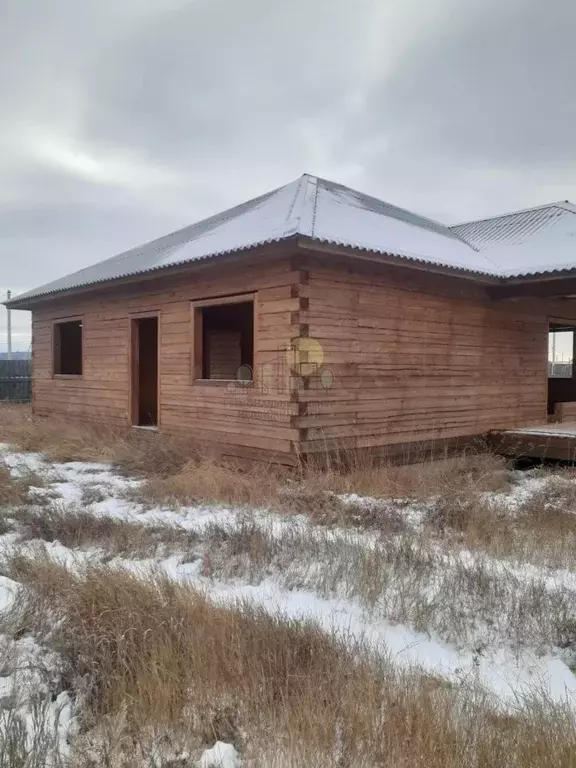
(527, 242)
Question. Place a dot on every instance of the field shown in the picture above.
(162, 608)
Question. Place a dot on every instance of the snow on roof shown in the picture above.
(309, 207)
(342, 216)
(527, 242)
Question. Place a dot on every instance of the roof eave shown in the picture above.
(389, 257)
(30, 303)
(316, 244)
(540, 276)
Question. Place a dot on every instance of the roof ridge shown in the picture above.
(303, 208)
(567, 205)
(315, 208)
(399, 208)
(564, 204)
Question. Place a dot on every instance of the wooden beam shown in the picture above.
(196, 338)
(217, 301)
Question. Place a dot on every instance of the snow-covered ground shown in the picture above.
(508, 670)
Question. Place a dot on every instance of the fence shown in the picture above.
(16, 381)
(560, 370)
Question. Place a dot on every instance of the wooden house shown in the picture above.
(316, 317)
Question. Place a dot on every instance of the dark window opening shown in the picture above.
(68, 348)
(227, 350)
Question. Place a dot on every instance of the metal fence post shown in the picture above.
(9, 325)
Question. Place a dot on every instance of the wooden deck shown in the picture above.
(550, 441)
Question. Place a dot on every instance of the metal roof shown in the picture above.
(309, 207)
(527, 242)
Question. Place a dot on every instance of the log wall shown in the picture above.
(411, 357)
(395, 356)
(243, 420)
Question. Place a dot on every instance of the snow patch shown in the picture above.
(221, 755)
(504, 671)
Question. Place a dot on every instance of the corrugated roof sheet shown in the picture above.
(527, 242)
(309, 207)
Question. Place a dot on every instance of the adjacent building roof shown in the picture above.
(527, 242)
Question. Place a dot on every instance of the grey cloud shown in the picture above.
(219, 80)
(486, 105)
(499, 89)
(122, 121)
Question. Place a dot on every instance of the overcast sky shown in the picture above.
(121, 120)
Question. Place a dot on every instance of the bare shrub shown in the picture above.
(151, 653)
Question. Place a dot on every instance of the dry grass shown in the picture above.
(75, 528)
(29, 742)
(542, 529)
(402, 579)
(150, 653)
(15, 488)
(264, 486)
(180, 471)
(315, 493)
(145, 656)
(132, 451)
(209, 481)
(12, 490)
(176, 472)
(268, 485)
(475, 470)
(58, 438)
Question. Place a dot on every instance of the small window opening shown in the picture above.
(227, 342)
(560, 354)
(68, 348)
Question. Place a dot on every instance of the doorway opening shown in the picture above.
(145, 372)
(561, 372)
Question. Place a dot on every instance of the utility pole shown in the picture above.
(9, 326)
